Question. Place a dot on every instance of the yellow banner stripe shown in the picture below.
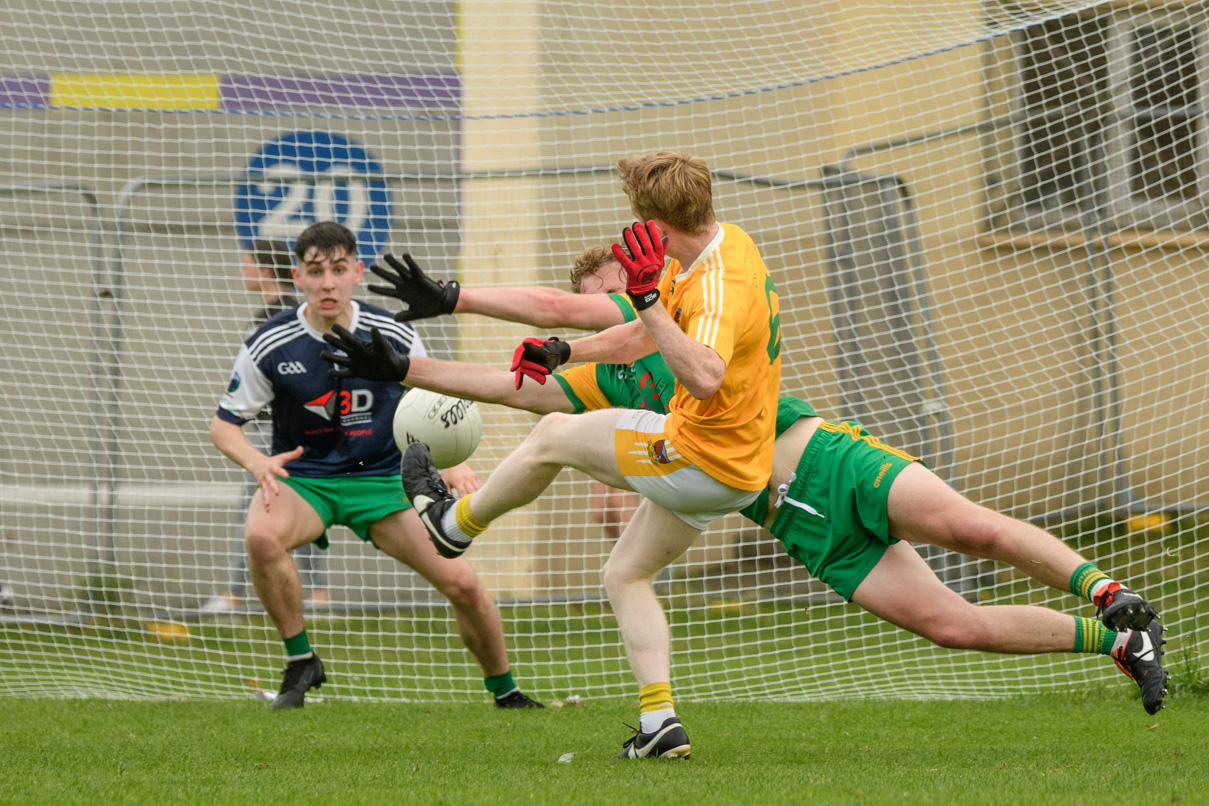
(180, 91)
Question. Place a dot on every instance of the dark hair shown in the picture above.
(274, 255)
(328, 237)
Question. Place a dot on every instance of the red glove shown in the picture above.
(536, 359)
(643, 262)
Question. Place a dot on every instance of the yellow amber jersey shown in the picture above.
(727, 301)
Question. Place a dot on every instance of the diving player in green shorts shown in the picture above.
(844, 504)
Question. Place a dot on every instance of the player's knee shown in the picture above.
(548, 434)
(962, 632)
(609, 575)
(618, 575)
(980, 533)
(263, 546)
(462, 590)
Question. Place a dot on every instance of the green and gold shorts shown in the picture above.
(833, 517)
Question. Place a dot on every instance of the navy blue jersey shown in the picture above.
(344, 425)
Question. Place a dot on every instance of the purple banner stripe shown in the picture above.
(250, 93)
(25, 91)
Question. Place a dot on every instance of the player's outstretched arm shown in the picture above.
(486, 385)
(541, 307)
(622, 344)
(536, 306)
(377, 360)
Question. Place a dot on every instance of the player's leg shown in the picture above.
(903, 590)
(270, 537)
(582, 441)
(402, 536)
(652, 540)
(922, 508)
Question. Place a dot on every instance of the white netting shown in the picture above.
(986, 223)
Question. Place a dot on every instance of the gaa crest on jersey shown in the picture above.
(233, 384)
(657, 451)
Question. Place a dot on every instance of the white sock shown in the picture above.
(651, 721)
(1099, 586)
(292, 658)
(449, 525)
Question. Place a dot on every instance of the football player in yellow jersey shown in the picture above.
(709, 455)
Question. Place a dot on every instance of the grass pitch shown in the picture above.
(1045, 749)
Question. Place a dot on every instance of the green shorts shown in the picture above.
(357, 502)
(833, 519)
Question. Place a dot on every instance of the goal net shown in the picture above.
(986, 222)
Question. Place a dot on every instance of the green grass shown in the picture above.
(1049, 749)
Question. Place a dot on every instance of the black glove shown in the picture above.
(536, 359)
(375, 360)
(424, 296)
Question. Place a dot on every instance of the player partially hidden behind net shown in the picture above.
(864, 561)
(334, 461)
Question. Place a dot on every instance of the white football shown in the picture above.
(448, 426)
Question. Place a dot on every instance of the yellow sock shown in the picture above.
(655, 697)
(466, 523)
(654, 706)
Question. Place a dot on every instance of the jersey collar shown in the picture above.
(710, 248)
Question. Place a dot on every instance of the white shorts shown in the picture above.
(656, 470)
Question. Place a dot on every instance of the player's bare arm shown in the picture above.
(376, 359)
(621, 344)
(698, 368)
(542, 307)
(486, 385)
(536, 306)
(231, 440)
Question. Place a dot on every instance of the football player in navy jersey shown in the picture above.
(334, 461)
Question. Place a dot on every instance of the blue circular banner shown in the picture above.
(308, 176)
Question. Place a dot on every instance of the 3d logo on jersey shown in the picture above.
(291, 368)
(354, 406)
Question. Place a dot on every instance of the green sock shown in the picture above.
(1093, 637)
(297, 645)
(1084, 579)
(500, 684)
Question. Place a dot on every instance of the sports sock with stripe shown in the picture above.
(654, 706)
(500, 685)
(1093, 637)
(297, 647)
(1090, 583)
(458, 523)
